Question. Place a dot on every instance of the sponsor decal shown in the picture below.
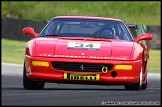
(84, 45)
(94, 77)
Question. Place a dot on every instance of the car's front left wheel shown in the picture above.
(30, 84)
(136, 86)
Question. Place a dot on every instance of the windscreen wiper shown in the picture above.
(99, 36)
(52, 35)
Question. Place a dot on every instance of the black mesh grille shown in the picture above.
(79, 67)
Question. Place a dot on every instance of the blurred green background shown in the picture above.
(137, 12)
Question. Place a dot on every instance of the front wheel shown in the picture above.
(144, 86)
(136, 86)
(29, 84)
(133, 86)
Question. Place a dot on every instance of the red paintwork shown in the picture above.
(29, 30)
(111, 51)
(52, 75)
(142, 37)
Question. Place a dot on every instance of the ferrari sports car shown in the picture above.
(86, 50)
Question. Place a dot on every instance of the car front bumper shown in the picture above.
(113, 76)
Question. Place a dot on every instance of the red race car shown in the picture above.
(86, 50)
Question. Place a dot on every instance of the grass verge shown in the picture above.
(13, 51)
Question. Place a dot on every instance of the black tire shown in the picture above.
(136, 86)
(133, 86)
(29, 84)
(144, 86)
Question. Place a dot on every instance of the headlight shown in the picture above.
(40, 63)
(123, 67)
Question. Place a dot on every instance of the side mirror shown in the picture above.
(143, 36)
(30, 31)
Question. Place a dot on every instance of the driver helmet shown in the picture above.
(107, 32)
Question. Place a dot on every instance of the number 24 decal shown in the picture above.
(81, 45)
(84, 45)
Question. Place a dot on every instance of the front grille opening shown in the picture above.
(80, 67)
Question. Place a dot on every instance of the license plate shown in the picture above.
(94, 77)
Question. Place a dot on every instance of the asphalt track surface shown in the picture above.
(53, 94)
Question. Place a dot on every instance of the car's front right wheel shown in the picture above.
(30, 84)
(144, 86)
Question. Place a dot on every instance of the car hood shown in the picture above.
(93, 48)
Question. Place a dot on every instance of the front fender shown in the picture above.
(137, 52)
(30, 48)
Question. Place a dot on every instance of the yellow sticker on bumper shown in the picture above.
(94, 77)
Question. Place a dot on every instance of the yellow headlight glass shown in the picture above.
(123, 67)
(40, 63)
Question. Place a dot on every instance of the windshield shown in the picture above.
(109, 29)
